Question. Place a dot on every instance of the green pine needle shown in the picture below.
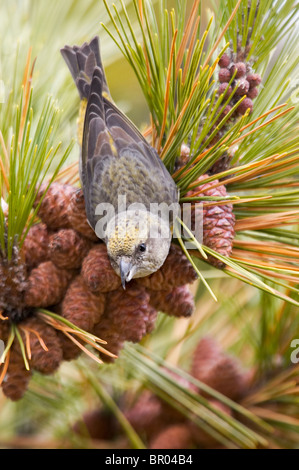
(31, 158)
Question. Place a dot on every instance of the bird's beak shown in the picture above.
(126, 271)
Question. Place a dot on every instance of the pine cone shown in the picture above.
(107, 331)
(254, 80)
(129, 311)
(70, 350)
(207, 353)
(228, 378)
(67, 249)
(224, 61)
(150, 414)
(13, 285)
(47, 285)
(36, 245)
(97, 271)
(43, 361)
(176, 271)
(218, 221)
(246, 104)
(4, 330)
(77, 216)
(146, 415)
(177, 302)
(245, 82)
(219, 370)
(53, 210)
(82, 307)
(177, 436)
(97, 424)
(17, 377)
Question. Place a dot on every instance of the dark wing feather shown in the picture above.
(127, 137)
(117, 160)
(96, 142)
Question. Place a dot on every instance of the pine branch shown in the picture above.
(31, 156)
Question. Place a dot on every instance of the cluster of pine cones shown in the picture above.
(160, 425)
(64, 267)
(236, 74)
(245, 82)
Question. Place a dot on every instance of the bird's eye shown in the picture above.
(142, 247)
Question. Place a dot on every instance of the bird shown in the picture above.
(131, 200)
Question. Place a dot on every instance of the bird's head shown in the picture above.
(138, 243)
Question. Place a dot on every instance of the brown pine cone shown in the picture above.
(16, 378)
(176, 271)
(150, 414)
(54, 208)
(224, 75)
(244, 82)
(4, 330)
(43, 361)
(176, 436)
(219, 370)
(254, 79)
(207, 353)
(235, 67)
(228, 378)
(77, 216)
(47, 285)
(224, 61)
(129, 311)
(178, 302)
(36, 245)
(253, 92)
(246, 104)
(97, 271)
(107, 331)
(147, 416)
(81, 307)
(218, 221)
(70, 350)
(67, 249)
(97, 424)
(239, 68)
(242, 87)
(13, 285)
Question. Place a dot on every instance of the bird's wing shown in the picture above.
(116, 159)
(128, 140)
(97, 144)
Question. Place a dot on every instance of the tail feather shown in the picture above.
(82, 62)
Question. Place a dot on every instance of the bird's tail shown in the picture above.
(82, 61)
